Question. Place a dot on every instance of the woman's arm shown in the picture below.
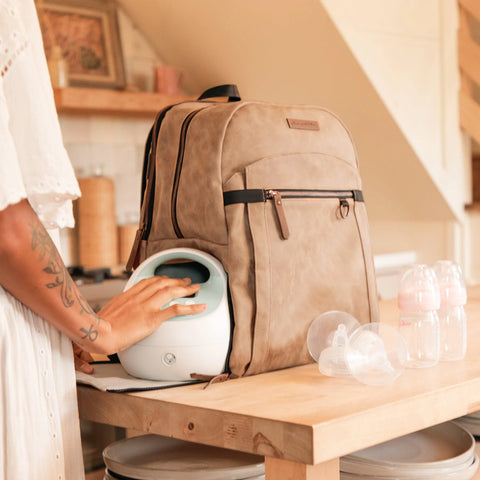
(32, 270)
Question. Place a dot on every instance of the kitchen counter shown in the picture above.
(300, 420)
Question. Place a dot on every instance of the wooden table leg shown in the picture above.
(277, 469)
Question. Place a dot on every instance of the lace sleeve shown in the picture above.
(13, 38)
(46, 172)
(12, 189)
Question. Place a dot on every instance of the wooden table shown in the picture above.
(298, 419)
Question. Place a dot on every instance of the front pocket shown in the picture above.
(320, 267)
(276, 196)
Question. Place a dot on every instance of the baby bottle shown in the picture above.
(453, 322)
(419, 300)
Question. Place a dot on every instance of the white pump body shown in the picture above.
(189, 343)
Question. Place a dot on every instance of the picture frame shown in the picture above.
(88, 35)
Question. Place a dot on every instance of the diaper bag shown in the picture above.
(274, 192)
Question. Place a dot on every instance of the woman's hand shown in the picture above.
(32, 270)
(82, 359)
(138, 312)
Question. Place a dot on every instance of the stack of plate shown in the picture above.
(471, 423)
(442, 452)
(153, 457)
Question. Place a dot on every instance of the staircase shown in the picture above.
(469, 111)
(469, 62)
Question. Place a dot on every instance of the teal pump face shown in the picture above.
(200, 267)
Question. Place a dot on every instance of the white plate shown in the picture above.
(475, 415)
(153, 457)
(440, 449)
(472, 425)
(465, 474)
(109, 477)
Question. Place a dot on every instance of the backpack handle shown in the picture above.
(228, 91)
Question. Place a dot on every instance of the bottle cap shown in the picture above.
(450, 283)
(418, 289)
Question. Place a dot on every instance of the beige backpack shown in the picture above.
(273, 192)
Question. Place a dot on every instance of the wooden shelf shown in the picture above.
(112, 102)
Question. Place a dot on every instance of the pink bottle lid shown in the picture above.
(451, 284)
(419, 289)
(452, 294)
(418, 300)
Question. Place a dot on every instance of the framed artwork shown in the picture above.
(87, 33)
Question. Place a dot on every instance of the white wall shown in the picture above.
(408, 50)
(472, 247)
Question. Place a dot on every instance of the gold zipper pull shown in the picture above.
(282, 219)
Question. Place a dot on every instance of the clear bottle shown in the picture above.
(452, 318)
(419, 300)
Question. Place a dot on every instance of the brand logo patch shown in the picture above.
(303, 124)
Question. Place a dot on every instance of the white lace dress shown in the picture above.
(39, 426)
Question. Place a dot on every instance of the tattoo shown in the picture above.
(91, 333)
(62, 280)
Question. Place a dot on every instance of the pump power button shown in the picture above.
(169, 359)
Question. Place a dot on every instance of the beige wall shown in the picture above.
(389, 73)
(291, 52)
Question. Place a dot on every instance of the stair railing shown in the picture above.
(469, 62)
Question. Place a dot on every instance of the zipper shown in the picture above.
(299, 193)
(279, 194)
(148, 175)
(276, 196)
(178, 171)
(147, 190)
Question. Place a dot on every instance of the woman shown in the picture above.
(41, 310)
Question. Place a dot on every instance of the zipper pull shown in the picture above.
(282, 219)
(344, 208)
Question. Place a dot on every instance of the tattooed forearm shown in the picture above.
(91, 333)
(69, 294)
(42, 242)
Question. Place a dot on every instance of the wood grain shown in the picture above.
(275, 468)
(298, 415)
(469, 57)
(113, 102)
(469, 115)
(472, 6)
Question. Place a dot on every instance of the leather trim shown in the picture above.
(243, 196)
(300, 124)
